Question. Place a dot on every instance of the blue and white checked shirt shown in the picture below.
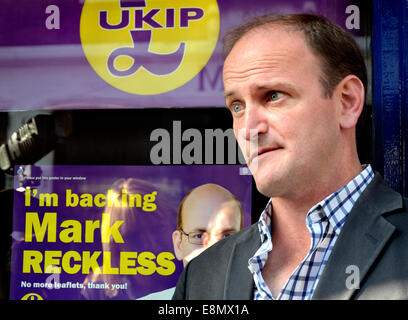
(324, 221)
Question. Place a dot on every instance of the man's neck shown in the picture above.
(289, 212)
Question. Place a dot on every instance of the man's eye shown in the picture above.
(197, 235)
(227, 234)
(237, 107)
(275, 95)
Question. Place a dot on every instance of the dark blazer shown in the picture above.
(374, 238)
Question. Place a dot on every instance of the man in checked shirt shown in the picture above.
(295, 86)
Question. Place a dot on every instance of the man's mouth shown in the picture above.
(261, 152)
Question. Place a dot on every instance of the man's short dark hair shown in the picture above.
(336, 49)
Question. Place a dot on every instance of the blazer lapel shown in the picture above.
(361, 240)
(239, 283)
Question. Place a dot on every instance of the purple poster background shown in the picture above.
(142, 231)
(47, 69)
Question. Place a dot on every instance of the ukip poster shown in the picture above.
(105, 232)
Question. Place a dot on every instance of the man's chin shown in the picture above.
(268, 185)
(264, 188)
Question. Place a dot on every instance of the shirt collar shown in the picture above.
(335, 207)
(265, 220)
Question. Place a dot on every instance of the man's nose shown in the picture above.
(254, 123)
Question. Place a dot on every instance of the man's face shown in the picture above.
(287, 130)
(209, 213)
(224, 223)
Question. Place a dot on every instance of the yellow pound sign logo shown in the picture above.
(32, 296)
(149, 47)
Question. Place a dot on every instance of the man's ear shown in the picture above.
(350, 92)
(206, 239)
(177, 244)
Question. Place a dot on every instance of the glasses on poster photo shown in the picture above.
(197, 237)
